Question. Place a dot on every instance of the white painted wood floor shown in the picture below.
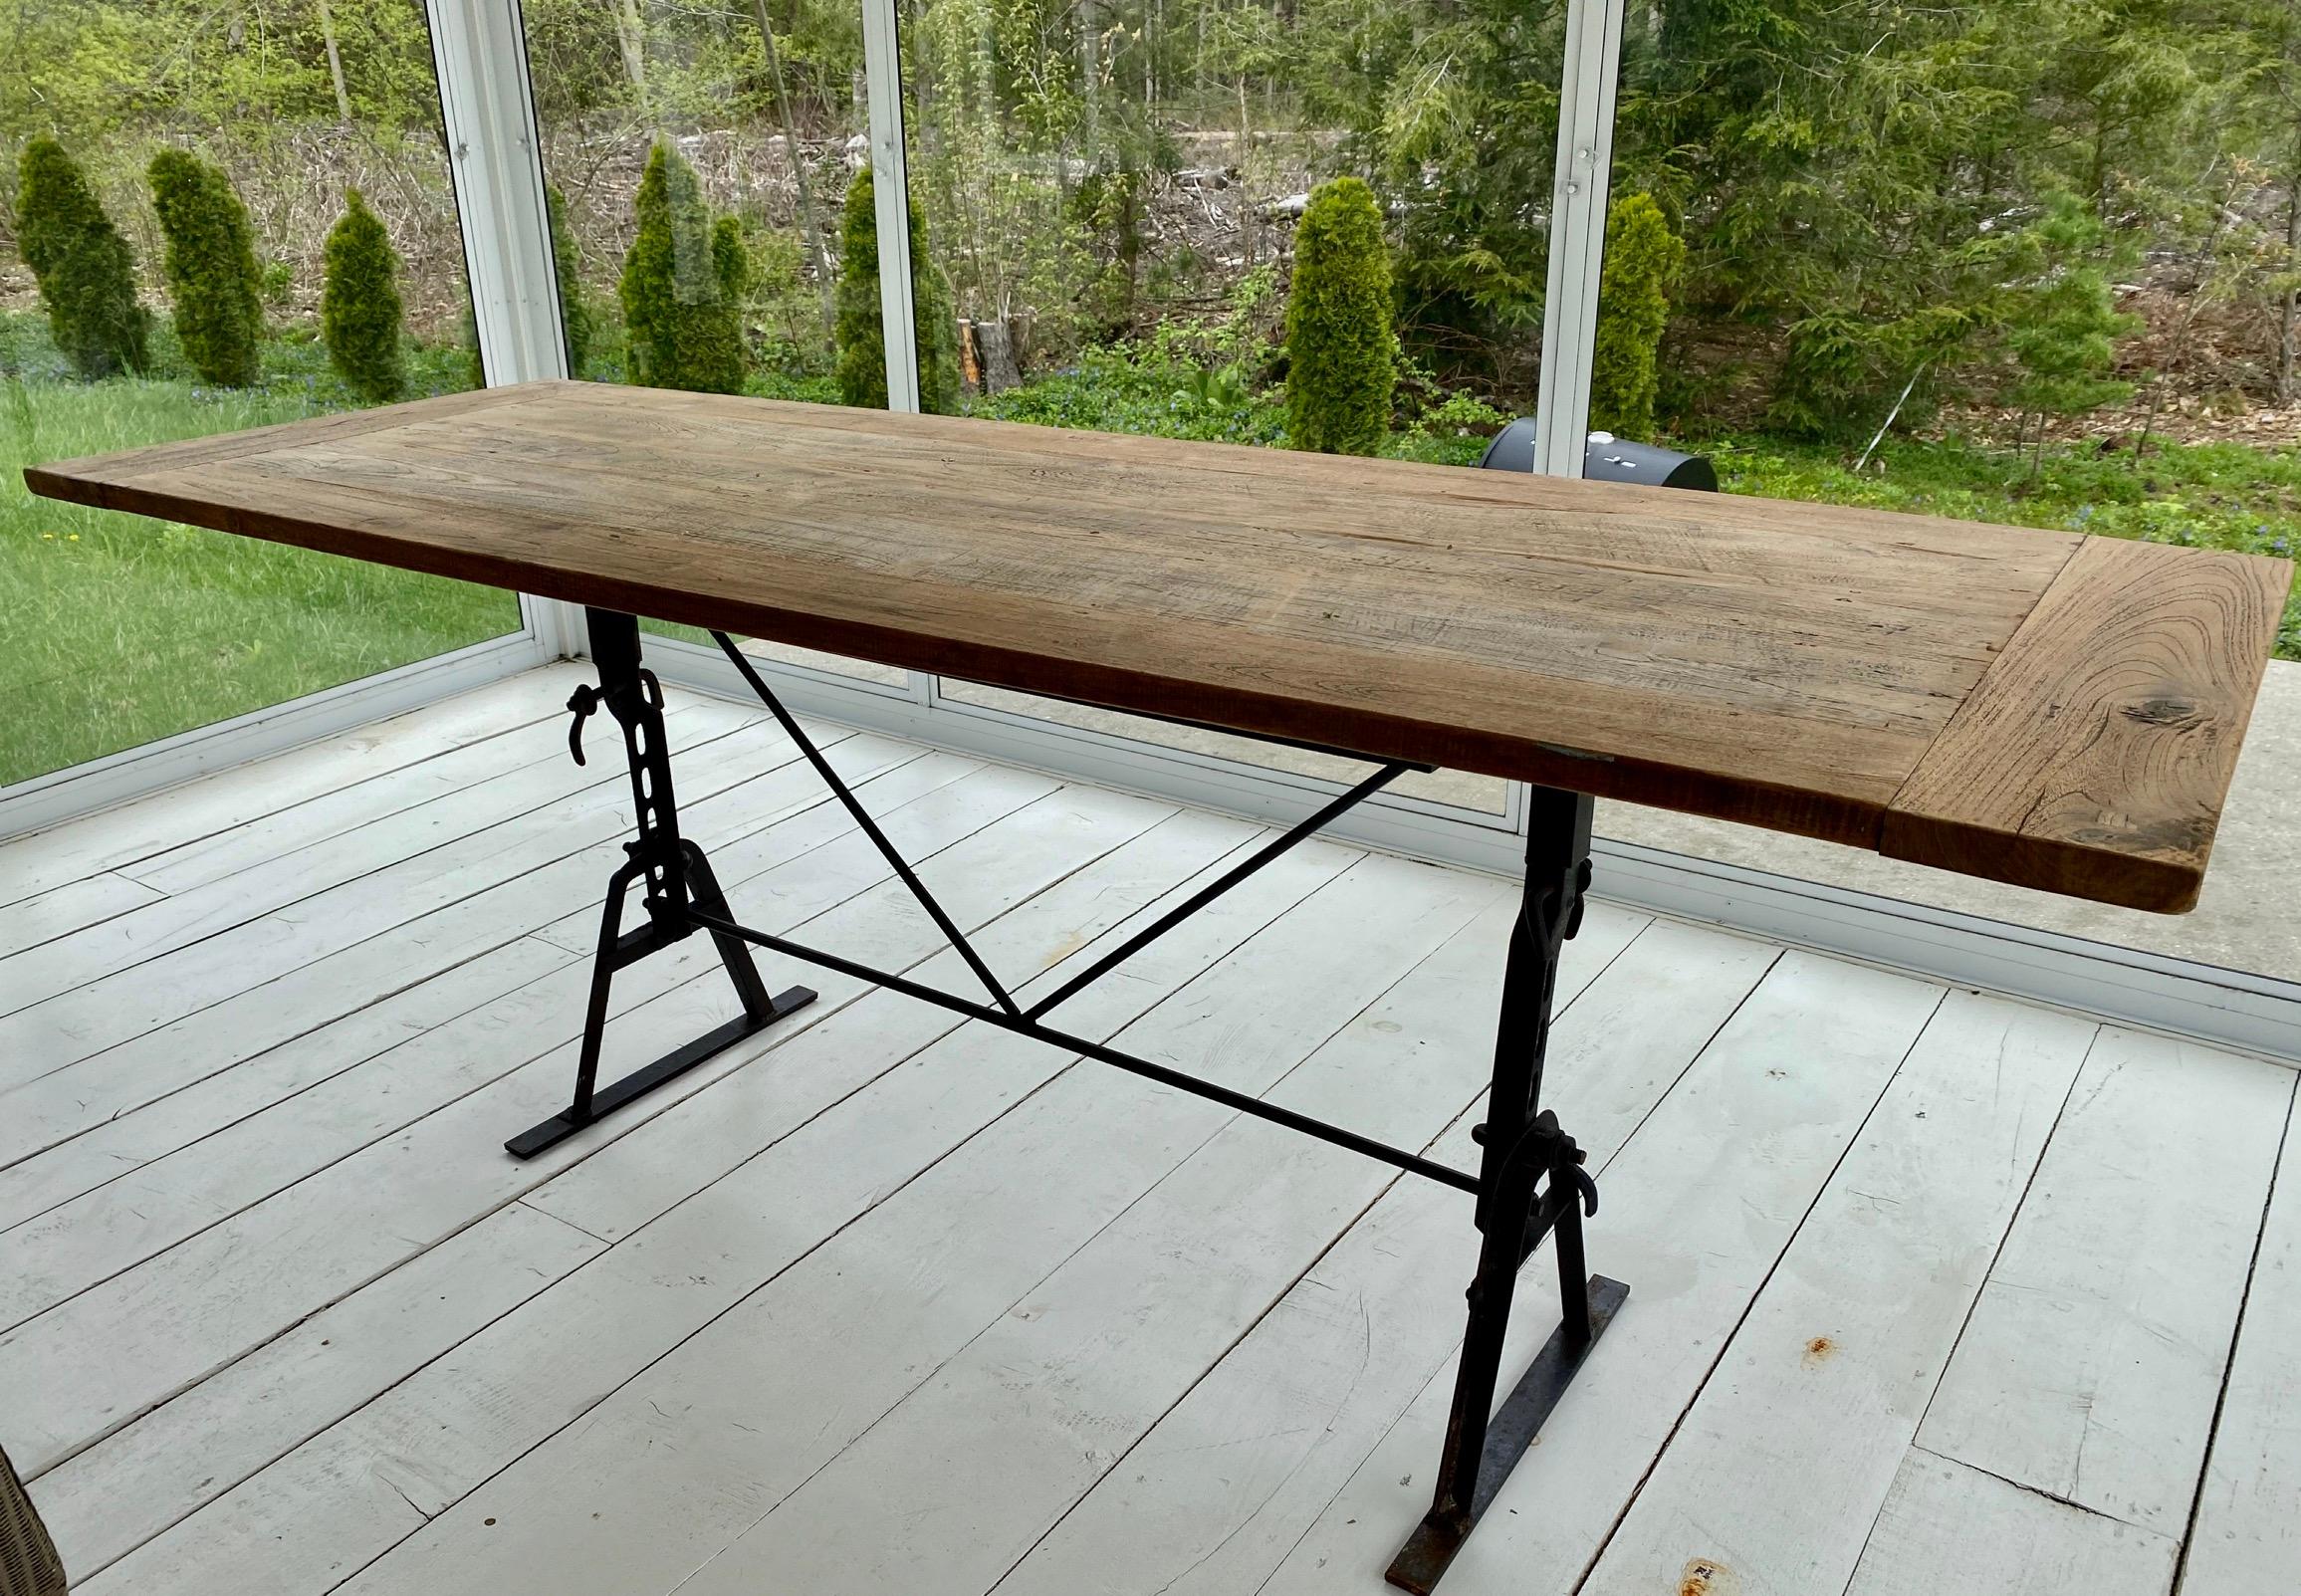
(1931, 1292)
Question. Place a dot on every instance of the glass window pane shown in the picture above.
(120, 630)
(699, 160)
(1114, 193)
(1958, 267)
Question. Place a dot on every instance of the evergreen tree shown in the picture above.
(862, 333)
(1450, 109)
(935, 321)
(2060, 316)
(1339, 346)
(85, 274)
(211, 265)
(568, 263)
(1643, 260)
(682, 286)
(360, 310)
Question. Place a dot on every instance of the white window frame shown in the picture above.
(487, 104)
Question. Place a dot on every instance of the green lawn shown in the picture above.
(2199, 496)
(117, 630)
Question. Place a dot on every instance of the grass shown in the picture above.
(118, 630)
(2199, 496)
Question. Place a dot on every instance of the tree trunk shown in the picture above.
(334, 63)
(1090, 75)
(811, 227)
(2292, 309)
(630, 38)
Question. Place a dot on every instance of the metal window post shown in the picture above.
(892, 191)
(1584, 173)
(487, 103)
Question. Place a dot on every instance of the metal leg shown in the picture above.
(1523, 1150)
(679, 888)
(1530, 1180)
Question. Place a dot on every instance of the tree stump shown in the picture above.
(996, 349)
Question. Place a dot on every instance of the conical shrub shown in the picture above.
(1341, 350)
(85, 274)
(360, 308)
(1642, 263)
(213, 282)
(683, 282)
(568, 261)
(861, 332)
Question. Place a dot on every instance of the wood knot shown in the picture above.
(1707, 1576)
(1819, 1349)
(2162, 711)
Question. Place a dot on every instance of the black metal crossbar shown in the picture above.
(1215, 888)
(1531, 1184)
(1024, 1025)
(870, 828)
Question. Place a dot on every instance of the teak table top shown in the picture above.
(2036, 706)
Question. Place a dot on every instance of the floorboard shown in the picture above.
(1948, 1528)
(121, 1347)
(2247, 1533)
(60, 911)
(1795, 1439)
(1217, 1493)
(864, 1321)
(192, 966)
(2093, 1360)
(1697, 1209)
(134, 1216)
(254, 792)
(1929, 1290)
(574, 1346)
(219, 1030)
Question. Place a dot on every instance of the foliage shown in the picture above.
(1452, 110)
(567, 267)
(360, 310)
(214, 281)
(102, 67)
(2060, 318)
(861, 332)
(1339, 344)
(781, 303)
(1642, 263)
(1107, 209)
(682, 280)
(1143, 389)
(85, 274)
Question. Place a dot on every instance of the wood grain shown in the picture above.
(1790, 666)
(2093, 757)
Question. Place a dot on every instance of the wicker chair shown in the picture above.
(29, 1565)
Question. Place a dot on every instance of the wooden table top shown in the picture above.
(2036, 706)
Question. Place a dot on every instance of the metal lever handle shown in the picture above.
(584, 703)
